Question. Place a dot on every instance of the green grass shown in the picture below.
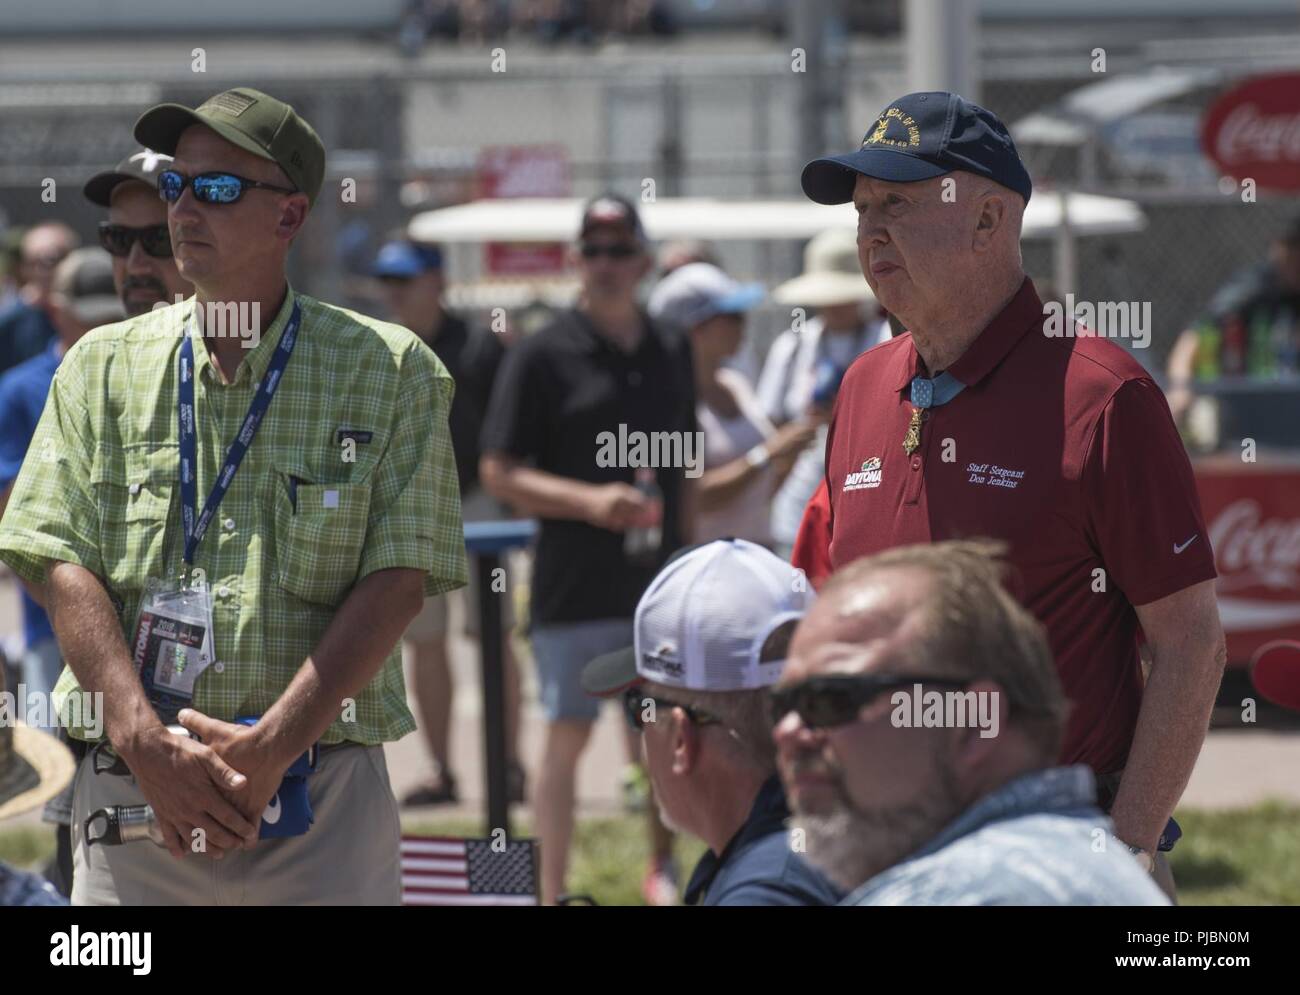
(1231, 857)
(1239, 857)
(29, 847)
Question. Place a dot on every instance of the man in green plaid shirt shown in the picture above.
(342, 517)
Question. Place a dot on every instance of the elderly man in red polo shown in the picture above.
(986, 420)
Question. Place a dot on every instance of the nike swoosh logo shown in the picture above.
(1178, 549)
(272, 814)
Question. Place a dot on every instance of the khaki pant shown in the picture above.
(348, 857)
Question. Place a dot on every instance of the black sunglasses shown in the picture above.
(118, 239)
(210, 188)
(634, 700)
(835, 699)
(591, 251)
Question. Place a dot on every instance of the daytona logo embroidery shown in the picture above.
(866, 478)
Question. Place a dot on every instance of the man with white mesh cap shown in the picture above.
(710, 635)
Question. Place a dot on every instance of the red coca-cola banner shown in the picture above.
(1253, 516)
(1253, 132)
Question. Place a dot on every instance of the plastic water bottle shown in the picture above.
(641, 542)
(1284, 343)
(1234, 346)
(1209, 340)
(1260, 362)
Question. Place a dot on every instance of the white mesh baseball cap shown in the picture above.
(713, 619)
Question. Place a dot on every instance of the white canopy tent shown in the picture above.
(546, 219)
(1059, 216)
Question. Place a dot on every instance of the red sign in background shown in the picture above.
(1253, 132)
(1252, 512)
(523, 171)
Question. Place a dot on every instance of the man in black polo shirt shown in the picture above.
(412, 277)
(599, 368)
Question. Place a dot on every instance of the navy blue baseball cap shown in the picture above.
(406, 259)
(918, 137)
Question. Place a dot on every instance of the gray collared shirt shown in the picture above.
(1037, 840)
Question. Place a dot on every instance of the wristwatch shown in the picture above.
(758, 455)
(1143, 857)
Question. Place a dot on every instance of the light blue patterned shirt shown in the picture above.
(1037, 840)
(25, 888)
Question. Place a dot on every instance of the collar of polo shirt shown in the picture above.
(1023, 312)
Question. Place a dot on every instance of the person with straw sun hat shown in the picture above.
(808, 359)
(34, 767)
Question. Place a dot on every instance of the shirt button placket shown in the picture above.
(916, 462)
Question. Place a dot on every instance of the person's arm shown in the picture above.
(616, 506)
(363, 631)
(723, 484)
(182, 780)
(1188, 657)
(1146, 522)
(1180, 370)
(414, 547)
(514, 432)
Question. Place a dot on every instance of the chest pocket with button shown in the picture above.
(320, 533)
(134, 492)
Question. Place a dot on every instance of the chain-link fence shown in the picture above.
(695, 122)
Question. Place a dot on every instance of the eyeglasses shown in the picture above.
(210, 188)
(634, 700)
(118, 239)
(835, 699)
(591, 251)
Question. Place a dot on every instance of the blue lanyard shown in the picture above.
(194, 530)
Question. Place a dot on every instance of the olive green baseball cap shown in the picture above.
(252, 120)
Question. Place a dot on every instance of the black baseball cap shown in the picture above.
(254, 121)
(144, 166)
(918, 137)
(611, 209)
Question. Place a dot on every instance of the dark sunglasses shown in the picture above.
(210, 188)
(835, 699)
(118, 239)
(634, 700)
(590, 251)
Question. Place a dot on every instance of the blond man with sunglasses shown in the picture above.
(917, 726)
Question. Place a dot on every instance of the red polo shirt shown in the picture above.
(1064, 448)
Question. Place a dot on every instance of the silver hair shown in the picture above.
(744, 714)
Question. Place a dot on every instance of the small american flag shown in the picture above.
(448, 870)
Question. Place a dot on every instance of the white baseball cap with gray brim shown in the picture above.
(717, 617)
